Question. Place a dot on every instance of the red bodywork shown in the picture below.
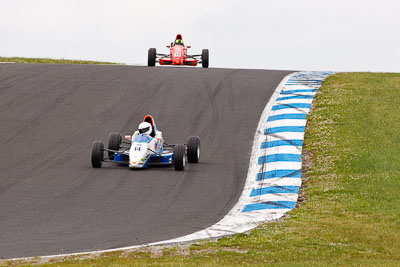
(178, 56)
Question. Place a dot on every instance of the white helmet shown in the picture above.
(145, 128)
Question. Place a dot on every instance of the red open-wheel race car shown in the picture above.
(178, 55)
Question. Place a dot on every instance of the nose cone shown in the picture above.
(135, 164)
(177, 54)
(137, 155)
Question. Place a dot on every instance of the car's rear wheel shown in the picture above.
(114, 143)
(204, 58)
(151, 62)
(97, 154)
(193, 149)
(179, 157)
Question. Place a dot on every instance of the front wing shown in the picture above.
(186, 62)
(161, 159)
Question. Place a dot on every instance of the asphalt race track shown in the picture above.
(51, 199)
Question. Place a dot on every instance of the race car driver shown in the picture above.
(178, 42)
(145, 128)
(143, 134)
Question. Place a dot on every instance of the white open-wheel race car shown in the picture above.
(141, 150)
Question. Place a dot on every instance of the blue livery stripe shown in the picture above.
(275, 190)
(294, 142)
(287, 92)
(296, 116)
(281, 129)
(279, 157)
(292, 105)
(279, 174)
(295, 97)
(270, 205)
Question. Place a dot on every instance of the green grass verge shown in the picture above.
(49, 61)
(352, 213)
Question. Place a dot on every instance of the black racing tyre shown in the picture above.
(151, 62)
(179, 157)
(193, 149)
(204, 58)
(114, 143)
(97, 154)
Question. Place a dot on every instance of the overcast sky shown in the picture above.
(340, 35)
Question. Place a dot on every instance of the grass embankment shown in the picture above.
(352, 212)
(49, 61)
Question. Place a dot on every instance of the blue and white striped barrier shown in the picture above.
(274, 176)
(275, 187)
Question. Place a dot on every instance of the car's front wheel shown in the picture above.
(151, 61)
(204, 58)
(193, 149)
(97, 154)
(179, 157)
